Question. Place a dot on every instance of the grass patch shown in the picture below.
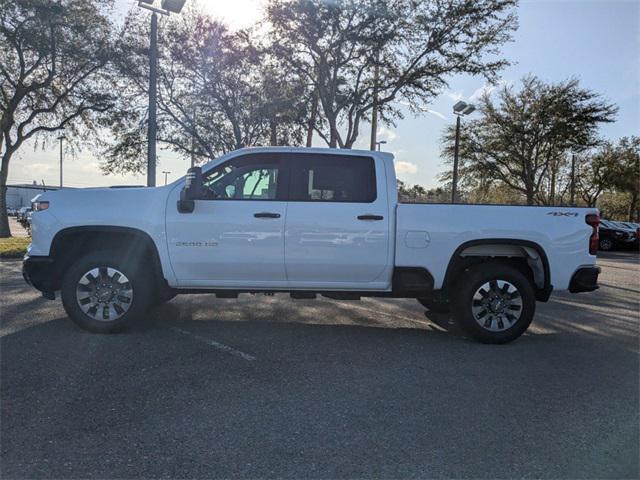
(14, 247)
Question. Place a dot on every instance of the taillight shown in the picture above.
(593, 219)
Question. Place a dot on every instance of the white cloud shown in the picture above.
(437, 114)
(87, 166)
(387, 134)
(487, 89)
(455, 96)
(406, 168)
(426, 110)
(41, 167)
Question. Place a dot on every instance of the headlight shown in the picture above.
(40, 206)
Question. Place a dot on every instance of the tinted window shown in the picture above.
(332, 178)
(253, 177)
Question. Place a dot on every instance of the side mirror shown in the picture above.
(191, 191)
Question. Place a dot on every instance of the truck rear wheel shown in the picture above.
(103, 293)
(494, 303)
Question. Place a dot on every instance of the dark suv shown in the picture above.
(613, 236)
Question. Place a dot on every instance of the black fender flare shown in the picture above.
(542, 294)
(145, 240)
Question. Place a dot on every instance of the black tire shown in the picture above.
(434, 305)
(138, 288)
(605, 244)
(506, 288)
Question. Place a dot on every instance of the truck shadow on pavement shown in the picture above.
(240, 390)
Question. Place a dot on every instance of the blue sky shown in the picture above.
(597, 41)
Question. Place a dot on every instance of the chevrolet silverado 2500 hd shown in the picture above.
(307, 222)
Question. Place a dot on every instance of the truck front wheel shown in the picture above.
(103, 293)
(494, 303)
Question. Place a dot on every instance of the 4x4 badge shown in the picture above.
(563, 214)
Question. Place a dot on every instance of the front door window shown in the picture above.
(254, 177)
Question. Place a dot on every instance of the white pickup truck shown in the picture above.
(306, 222)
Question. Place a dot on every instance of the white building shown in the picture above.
(21, 195)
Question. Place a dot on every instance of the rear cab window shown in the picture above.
(332, 178)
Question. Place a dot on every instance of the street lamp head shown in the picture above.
(459, 107)
(463, 108)
(470, 109)
(167, 6)
(174, 6)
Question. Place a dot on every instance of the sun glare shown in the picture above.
(235, 13)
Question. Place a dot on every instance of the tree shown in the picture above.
(408, 194)
(216, 93)
(627, 178)
(413, 45)
(53, 59)
(519, 140)
(595, 174)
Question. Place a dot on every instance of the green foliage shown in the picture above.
(627, 177)
(596, 173)
(522, 139)
(337, 47)
(419, 194)
(54, 59)
(216, 93)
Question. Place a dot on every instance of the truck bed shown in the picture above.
(429, 235)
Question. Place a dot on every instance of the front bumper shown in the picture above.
(584, 280)
(39, 272)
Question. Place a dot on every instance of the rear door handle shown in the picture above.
(370, 217)
(266, 215)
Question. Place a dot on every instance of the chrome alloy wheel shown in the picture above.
(497, 305)
(104, 293)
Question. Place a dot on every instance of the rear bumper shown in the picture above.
(38, 272)
(584, 280)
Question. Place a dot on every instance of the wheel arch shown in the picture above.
(71, 242)
(531, 252)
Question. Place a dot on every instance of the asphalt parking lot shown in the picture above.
(272, 387)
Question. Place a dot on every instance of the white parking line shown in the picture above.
(213, 343)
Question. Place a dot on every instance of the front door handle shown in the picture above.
(266, 215)
(370, 217)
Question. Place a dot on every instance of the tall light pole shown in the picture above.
(381, 142)
(573, 180)
(61, 138)
(459, 109)
(374, 112)
(165, 176)
(167, 7)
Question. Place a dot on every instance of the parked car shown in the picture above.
(11, 212)
(634, 229)
(28, 221)
(22, 213)
(306, 222)
(613, 236)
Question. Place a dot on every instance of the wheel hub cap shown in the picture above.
(104, 293)
(497, 305)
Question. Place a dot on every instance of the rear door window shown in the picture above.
(332, 178)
